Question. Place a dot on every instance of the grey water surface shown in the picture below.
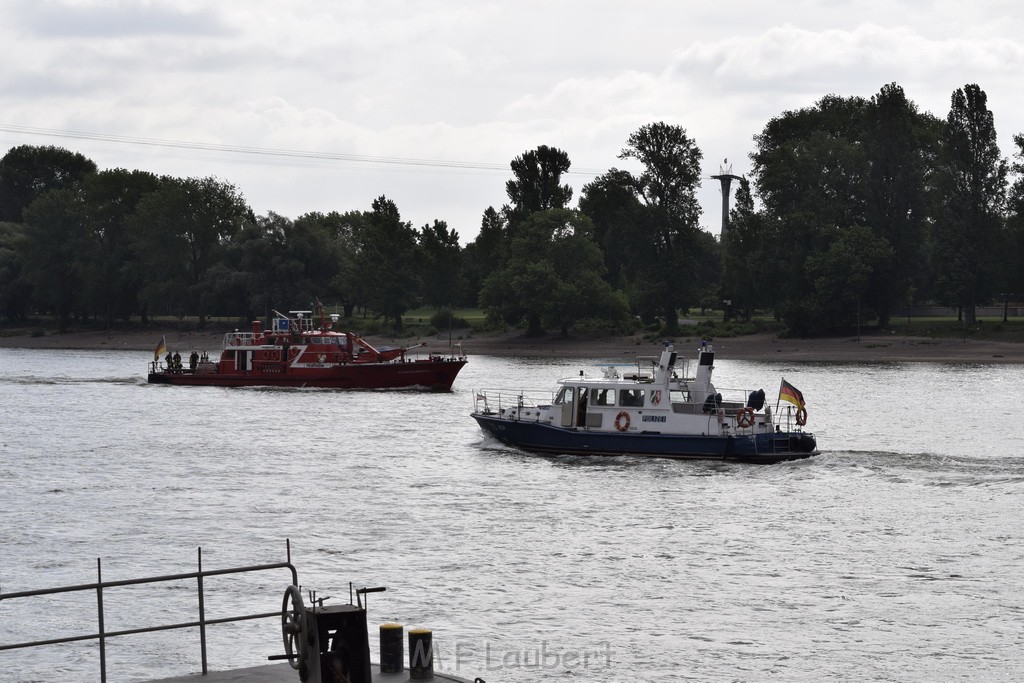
(895, 555)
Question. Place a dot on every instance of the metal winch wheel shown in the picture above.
(293, 627)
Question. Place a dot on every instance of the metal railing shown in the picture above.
(496, 400)
(100, 585)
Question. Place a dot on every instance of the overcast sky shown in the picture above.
(426, 102)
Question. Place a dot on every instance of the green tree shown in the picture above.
(537, 182)
(15, 288)
(312, 252)
(900, 144)
(811, 172)
(388, 263)
(972, 188)
(26, 172)
(1012, 280)
(483, 255)
(661, 247)
(842, 276)
(54, 241)
(553, 276)
(181, 231)
(441, 276)
(612, 204)
(112, 273)
(347, 231)
(747, 279)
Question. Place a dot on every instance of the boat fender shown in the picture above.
(744, 417)
(801, 416)
(622, 421)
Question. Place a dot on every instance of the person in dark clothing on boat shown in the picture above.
(169, 359)
(177, 361)
(193, 360)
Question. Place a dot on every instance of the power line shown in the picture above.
(268, 152)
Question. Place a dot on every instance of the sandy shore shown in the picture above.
(868, 349)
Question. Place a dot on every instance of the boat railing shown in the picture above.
(786, 418)
(774, 415)
(239, 339)
(101, 587)
(491, 401)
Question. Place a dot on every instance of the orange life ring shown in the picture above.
(801, 416)
(622, 421)
(744, 417)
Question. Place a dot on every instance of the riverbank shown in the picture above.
(765, 346)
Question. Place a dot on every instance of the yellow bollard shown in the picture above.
(391, 648)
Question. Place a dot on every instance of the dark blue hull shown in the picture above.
(544, 438)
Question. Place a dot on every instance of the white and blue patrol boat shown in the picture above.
(660, 410)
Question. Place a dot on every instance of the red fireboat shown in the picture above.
(301, 351)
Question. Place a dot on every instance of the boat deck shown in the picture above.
(282, 673)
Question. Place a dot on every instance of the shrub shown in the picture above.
(445, 318)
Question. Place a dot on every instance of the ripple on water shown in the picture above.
(895, 550)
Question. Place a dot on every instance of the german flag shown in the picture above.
(161, 348)
(790, 393)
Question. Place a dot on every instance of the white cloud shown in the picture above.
(467, 81)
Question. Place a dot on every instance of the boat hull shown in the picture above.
(537, 437)
(431, 375)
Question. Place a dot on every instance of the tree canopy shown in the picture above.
(854, 208)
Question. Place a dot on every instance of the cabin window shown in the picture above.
(564, 394)
(602, 397)
(631, 397)
(678, 396)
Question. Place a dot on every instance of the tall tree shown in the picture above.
(54, 243)
(537, 182)
(747, 277)
(28, 171)
(348, 231)
(553, 276)
(180, 232)
(15, 286)
(811, 172)
(612, 204)
(483, 255)
(112, 274)
(441, 266)
(661, 248)
(900, 145)
(1012, 281)
(972, 181)
(388, 265)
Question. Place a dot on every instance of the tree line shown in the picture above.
(854, 208)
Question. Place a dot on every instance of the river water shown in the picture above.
(895, 555)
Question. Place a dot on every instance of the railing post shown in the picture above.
(202, 613)
(99, 611)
